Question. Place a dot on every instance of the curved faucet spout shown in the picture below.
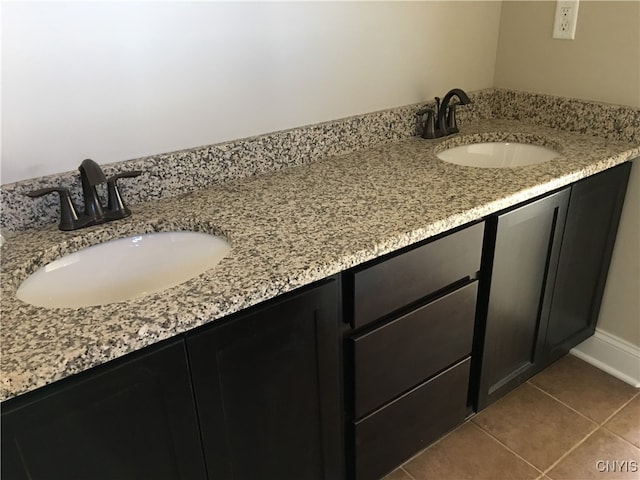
(444, 107)
(91, 175)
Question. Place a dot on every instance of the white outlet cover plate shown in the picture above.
(564, 25)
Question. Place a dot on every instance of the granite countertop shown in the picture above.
(287, 229)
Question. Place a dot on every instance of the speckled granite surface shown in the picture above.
(287, 229)
(171, 174)
(604, 120)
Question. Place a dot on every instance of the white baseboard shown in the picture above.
(611, 354)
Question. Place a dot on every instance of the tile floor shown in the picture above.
(569, 422)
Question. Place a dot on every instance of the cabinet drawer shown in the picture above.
(394, 433)
(405, 352)
(398, 281)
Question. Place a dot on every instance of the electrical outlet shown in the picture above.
(564, 26)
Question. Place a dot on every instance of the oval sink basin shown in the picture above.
(123, 269)
(497, 155)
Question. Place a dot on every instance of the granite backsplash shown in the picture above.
(172, 174)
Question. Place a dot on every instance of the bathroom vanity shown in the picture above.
(369, 304)
(267, 384)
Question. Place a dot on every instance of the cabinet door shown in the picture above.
(527, 242)
(267, 387)
(132, 419)
(592, 223)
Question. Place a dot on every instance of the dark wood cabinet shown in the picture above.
(543, 279)
(268, 389)
(517, 285)
(409, 357)
(257, 396)
(400, 429)
(409, 275)
(133, 418)
(590, 232)
(401, 354)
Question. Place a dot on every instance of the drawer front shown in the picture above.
(403, 353)
(398, 281)
(394, 433)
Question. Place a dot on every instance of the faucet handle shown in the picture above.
(68, 214)
(116, 206)
(452, 125)
(429, 124)
(437, 99)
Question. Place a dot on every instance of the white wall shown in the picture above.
(115, 81)
(603, 64)
(620, 310)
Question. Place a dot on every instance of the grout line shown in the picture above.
(554, 464)
(506, 447)
(407, 473)
(619, 437)
(598, 425)
(563, 456)
(613, 415)
(618, 410)
(564, 404)
(568, 452)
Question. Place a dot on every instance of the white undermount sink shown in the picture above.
(497, 154)
(123, 269)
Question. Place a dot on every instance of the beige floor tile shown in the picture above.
(626, 422)
(590, 391)
(469, 453)
(534, 425)
(602, 456)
